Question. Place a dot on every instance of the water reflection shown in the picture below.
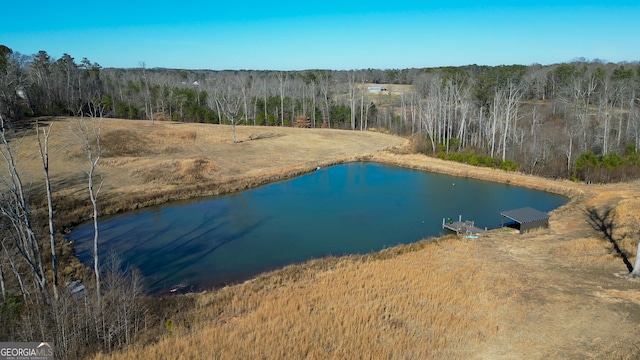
(353, 208)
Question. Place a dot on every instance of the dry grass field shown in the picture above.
(554, 293)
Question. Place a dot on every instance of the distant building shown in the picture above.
(21, 94)
(377, 89)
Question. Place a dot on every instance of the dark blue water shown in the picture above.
(345, 209)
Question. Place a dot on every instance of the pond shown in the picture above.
(346, 209)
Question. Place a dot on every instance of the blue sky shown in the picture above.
(328, 34)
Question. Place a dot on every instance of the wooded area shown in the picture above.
(577, 120)
(573, 120)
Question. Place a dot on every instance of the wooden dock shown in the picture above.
(461, 227)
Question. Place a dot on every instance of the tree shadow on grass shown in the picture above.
(26, 125)
(605, 222)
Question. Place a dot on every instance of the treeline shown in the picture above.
(578, 120)
(540, 118)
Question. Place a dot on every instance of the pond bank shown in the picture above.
(353, 208)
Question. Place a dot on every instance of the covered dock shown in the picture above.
(526, 218)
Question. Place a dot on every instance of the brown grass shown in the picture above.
(355, 309)
(386, 313)
(176, 171)
(144, 165)
(552, 293)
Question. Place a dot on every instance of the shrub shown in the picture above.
(457, 157)
(419, 145)
(475, 160)
(478, 160)
(508, 165)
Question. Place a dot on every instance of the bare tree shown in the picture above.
(9, 255)
(571, 135)
(66, 69)
(429, 112)
(282, 78)
(462, 104)
(242, 84)
(43, 148)
(634, 126)
(515, 93)
(16, 211)
(213, 98)
(3, 286)
(230, 104)
(353, 92)
(636, 264)
(325, 90)
(148, 106)
(123, 287)
(606, 93)
(505, 114)
(89, 138)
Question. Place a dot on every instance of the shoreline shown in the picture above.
(566, 188)
(198, 287)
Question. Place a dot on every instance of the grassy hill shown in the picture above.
(557, 292)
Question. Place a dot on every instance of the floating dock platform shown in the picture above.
(461, 227)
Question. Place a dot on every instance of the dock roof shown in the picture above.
(525, 215)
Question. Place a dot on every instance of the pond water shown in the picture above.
(344, 209)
